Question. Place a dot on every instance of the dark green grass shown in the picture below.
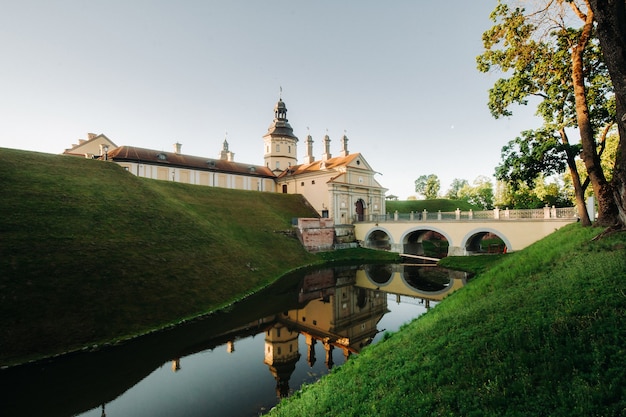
(90, 253)
(539, 333)
(475, 264)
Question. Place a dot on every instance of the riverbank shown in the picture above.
(538, 332)
(90, 254)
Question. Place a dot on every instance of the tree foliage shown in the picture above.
(456, 186)
(479, 194)
(428, 186)
(541, 193)
(545, 56)
(533, 154)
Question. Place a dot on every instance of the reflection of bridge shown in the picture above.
(427, 283)
(463, 230)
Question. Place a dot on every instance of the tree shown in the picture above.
(428, 186)
(611, 18)
(547, 58)
(480, 194)
(607, 154)
(540, 194)
(524, 159)
(455, 187)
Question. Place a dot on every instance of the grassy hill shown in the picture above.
(540, 332)
(432, 206)
(90, 253)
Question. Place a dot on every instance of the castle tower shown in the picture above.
(281, 355)
(280, 142)
(225, 154)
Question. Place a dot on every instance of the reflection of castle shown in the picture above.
(339, 309)
(281, 355)
(337, 314)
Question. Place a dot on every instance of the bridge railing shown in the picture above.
(497, 214)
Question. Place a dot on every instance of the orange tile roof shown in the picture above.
(316, 166)
(171, 159)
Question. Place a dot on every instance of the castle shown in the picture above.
(342, 188)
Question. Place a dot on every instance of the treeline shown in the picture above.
(483, 194)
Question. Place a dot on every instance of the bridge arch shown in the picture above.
(411, 240)
(379, 238)
(471, 241)
(379, 275)
(429, 281)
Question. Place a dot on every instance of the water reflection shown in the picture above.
(291, 333)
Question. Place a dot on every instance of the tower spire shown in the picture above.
(280, 142)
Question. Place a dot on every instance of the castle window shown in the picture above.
(313, 182)
(288, 149)
(162, 156)
(277, 164)
(302, 183)
(277, 147)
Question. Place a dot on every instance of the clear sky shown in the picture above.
(399, 77)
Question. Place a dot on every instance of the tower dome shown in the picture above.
(280, 141)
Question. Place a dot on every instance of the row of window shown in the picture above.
(267, 149)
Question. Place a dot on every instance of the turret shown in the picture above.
(280, 142)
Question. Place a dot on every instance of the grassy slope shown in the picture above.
(541, 332)
(432, 206)
(89, 253)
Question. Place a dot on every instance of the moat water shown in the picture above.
(239, 362)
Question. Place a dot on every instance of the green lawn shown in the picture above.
(540, 332)
(90, 253)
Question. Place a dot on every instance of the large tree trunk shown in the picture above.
(607, 208)
(579, 190)
(611, 18)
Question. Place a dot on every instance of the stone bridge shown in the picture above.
(464, 231)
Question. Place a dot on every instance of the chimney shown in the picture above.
(309, 158)
(326, 155)
(344, 145)
(91, 136)
(177, 147)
